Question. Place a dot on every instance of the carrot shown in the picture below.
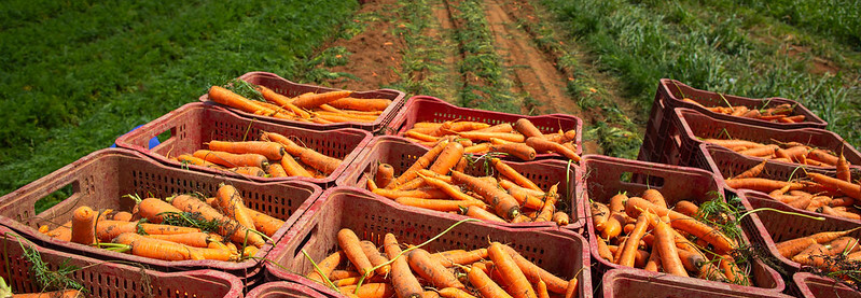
(549, 207)
(525, 127)
(822, 156)
(54, 294)
(308, 156)
(196, 239)
(571, 291)
(508, 185)
(654, 197)
(154, 210)
(157, 249)
(361, 104)
(370, 290)
(478, 148)
(761, 184)
(732, 273)
(293, 168)
(426, 267)
(449, 189)
(733, 143)
(486, 136)
(504, 204)
(229, 228)
(421, 163)
(843, 245)
(415, 193)
(843, 169)
(613, 227)
(460, 258)
(630, 249)
(686, 208)
(603, 250)
(349, 242)
(282, 101)
(518, 285)
(790, 248)
(667, 248)
(311, 100)
(512, 174)
(847, 188)
(264, 223)
(519, 150)
(230, 202)
(654, 262)
(467, 126)
(83, 226)
(233, 160)
(534, 273)
(110, 229)
(249, 171)
(543, 145)
(403, 280)
(191, 160)
(479, 279)
(691, 261)
(270, 150)
(752, 172)
(327, 266)
(561, 219)
(763, 151)
(276, 171)
(438, 205)
(226, 97)
(453, 293)
(479, 213)
(448, 158)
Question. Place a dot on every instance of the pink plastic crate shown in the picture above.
(194, 124)
(809, 285)
(283, 289)
(694, 126)
(560, 252)
(602, 182)
(432, 109)
(769, 228)
(628, 283)
(401, 154)
(291, 89)
(101, 179)
(108, 279)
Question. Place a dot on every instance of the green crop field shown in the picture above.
(75, 75)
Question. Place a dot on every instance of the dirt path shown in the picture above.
(533, 73)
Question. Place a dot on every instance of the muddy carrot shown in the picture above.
(270, 150)
(229, 201)
(822, 156)
(233, 160)
(519, 150)
(480, 213)
(561, 218)
(375, 257)
(276, 171)
(423, 264)
(154, 210)
(484, 284)
(518, 285)
(83, 225)
(157, 249)
(349, 242)
(504, 204)
(460, 258)
(438, 205)
(327, 265)
(403, 280)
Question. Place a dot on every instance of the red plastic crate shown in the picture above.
(401, 154)
(283, 289)
(194, 124)
(560, 252)
(101, 179)
(693, 126)
(431, 109)
(768, 228)
(673, 92)
(628, 283)
(291, 89)
(602, 182)
(106, 279)
(809, 285)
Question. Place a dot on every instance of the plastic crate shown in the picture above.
(808, 285)
(401, 154)
(283, 289)
(560, 252)
(769, 228)
(291, 89)
(432, 109)
(672, 92)
(101, 179)
(602, 182)
(693, 125)
(628, 283)
(106, 279)
(194, 124)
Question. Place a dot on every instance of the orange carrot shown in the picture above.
(83, 225)
(525, 127)
(349, 242)
(312, 100)
(848, 188)
(512, 174)
(686, 208)
(308, 156)
(630, 249)
(549, 207)
(561, 219)
(226, 97)
(543, 145)
(375, 257)
(229, 228)
(422, 193)
(196, 239)
(230, 203)
(449, 189)
(157, 249)
(571, 291)
(504, 204)
(479, 213)
(502, 128)
(110, 229)
(460, 258)
(752, 172)
(448, 158)
(484, 284)
(282, 101)
(361, 104)
(233, 160)
(518, 285)
(764, 151)
(154, 210)
(603, 250)
(426, 267)
(534, 273)
(760, 184)
(385, 174)
(519, 150)
(421, 163)
(667, 248)
(276, 171)
(654, 197)
(822, 156)
(486, 136)
(191, 160)
(438, 205)
(270, 150)
(843, 169)
(249, 171)
(264, 223)
(293, 168)
(654, 262)
(371, 290)
(327, 265)
(454, 293)
(403, 280)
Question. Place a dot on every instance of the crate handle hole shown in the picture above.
(62, 193)
(309, 238)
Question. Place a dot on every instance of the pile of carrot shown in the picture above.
(321, 108)
(791, 152)
(833, 195)
(53, 294)
(642, 232)
(778, 114)
(274, 156)
(218, 228)
(829, 251)
(392, 271)
(436, 181)
(522, 140)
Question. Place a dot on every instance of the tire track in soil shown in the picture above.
(531, 70)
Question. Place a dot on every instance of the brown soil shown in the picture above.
(817, 65)
(376, 53)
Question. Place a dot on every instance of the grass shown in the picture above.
(98, 69)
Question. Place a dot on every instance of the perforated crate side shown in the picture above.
(604, 177)
(627, 283)
(401, 154)
(560, 252)
(674, 91)
(808, 285)
(431, 109)
(102, 180)
(290, 89)
(283, 289)
(194, 125)
(106, 279)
